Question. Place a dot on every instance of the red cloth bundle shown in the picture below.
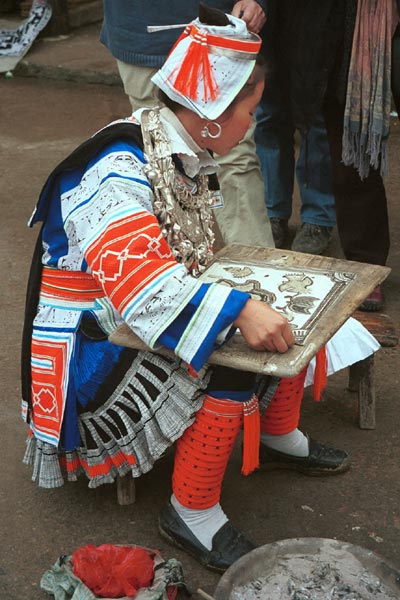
(113, 571)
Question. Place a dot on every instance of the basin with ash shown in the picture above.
(310, 569)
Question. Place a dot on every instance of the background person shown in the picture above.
(274, 136)
(358, 129)
(325, 51)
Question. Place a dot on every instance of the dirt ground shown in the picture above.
(41, 121)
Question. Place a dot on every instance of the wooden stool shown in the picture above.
(361, 374)
(126, 490)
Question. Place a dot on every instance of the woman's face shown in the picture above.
(235, 122)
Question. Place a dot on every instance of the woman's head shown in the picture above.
(237, 119)
(223, 133)
(209, 65)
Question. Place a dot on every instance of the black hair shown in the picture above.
(171, 104)
(212, 16)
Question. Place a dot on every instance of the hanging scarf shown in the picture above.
(368, 98)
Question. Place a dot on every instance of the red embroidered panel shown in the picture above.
(49, 360)
(128, 256)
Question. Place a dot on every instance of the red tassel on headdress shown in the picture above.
(251, 436)
(320, 373)
(194, 67)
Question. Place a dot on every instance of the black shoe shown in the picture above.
(321, 460)
(229, 544)
(374, 302)
(312, 239)
(280, 231)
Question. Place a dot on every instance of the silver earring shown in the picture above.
(205, 132)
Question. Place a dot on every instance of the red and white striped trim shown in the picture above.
(249, 46)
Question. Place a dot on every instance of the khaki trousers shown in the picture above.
(243, 218)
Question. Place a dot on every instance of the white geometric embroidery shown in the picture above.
(153, 247)
(46, 400)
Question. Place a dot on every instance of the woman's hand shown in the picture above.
(251, 12)
(263, 328)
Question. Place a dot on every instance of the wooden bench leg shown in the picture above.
(362, 380)
(126, 492)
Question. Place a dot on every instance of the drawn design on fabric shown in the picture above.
(301, 295)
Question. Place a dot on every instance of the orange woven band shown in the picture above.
(242, 48)
(69, 285)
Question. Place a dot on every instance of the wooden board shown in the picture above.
(237, 354)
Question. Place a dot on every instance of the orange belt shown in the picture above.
(69, 285)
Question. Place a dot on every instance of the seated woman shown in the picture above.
(126, 232)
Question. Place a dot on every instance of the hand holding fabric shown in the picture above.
(252, 13)
(263, 328)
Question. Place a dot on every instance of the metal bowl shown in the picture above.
(262, 561)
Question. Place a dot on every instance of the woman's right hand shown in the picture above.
(263, 328)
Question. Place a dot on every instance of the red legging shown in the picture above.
(202, 453)
(283, 413)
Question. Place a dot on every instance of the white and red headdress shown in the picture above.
(208, 66)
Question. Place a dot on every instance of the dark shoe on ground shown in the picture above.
(374, 302)
(312, 239)
(280, 231)
(321, 460)
(229, 544)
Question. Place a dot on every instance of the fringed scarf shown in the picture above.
(368, 98)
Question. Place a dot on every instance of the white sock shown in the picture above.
(204, 523)
(295, 442)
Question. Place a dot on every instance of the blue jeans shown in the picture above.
(274, 138)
